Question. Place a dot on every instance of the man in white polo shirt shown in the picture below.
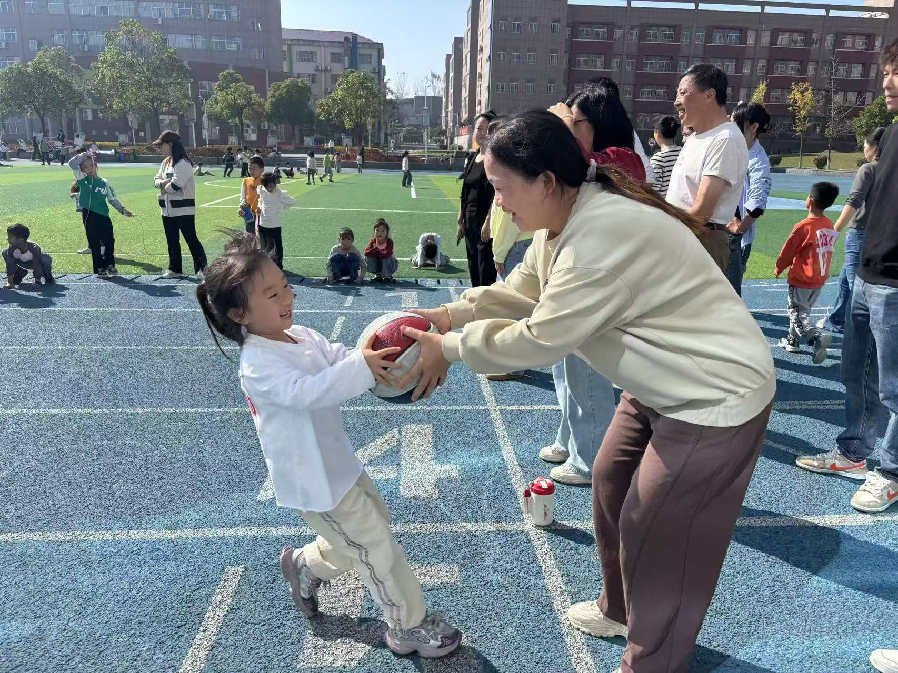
(707, 178)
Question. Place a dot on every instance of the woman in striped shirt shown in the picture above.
(664, 159)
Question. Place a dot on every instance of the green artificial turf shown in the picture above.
(37, 196)
(844, 161)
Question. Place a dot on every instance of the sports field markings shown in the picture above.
(338, 327)
(196, 657)
(414, 193)
(347, 210)
(574, 640)
(407, 298)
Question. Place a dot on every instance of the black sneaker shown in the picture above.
(48, 277)
(790, 343)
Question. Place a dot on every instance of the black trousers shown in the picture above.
(244, 170)
(228, 169)
(99, 235)
(272, 241)
(174, 228)
(406, 178)
(481, 264)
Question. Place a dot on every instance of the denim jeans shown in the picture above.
(735, 270)
(587, 407)
(516, 255)
(854, 243)
(870, 375)
(345, 265)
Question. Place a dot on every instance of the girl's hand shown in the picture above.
(127, 213)
(438, 317)
(378, 365)
(500, 268)
(485, 233)
(562, 110)
(431, 366)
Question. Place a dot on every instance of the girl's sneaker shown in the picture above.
(303, 584)
(791, 344)
(172, 274)
(101, 273)
(833, 462)
(433, 637)
(877, 494)
(111, 271)
(820, 344)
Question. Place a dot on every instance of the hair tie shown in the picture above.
(591, 171)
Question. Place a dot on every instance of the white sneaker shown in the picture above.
(565, 474)
(84, 251)
(821, 323)
(172, 274)
(111, 271)
(588, 618)
(833, 462)
(200, 275)
(877, 494)
(885, 661)
(554, 453)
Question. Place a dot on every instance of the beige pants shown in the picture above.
(356, 534)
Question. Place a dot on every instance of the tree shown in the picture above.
(871, 117)
(288, 103)
(235, 102)
(139, 74)
(836, 109)
(802, 105)
(51, 85)
(356, 102)
(760, 93)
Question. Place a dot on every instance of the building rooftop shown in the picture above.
(322, 35)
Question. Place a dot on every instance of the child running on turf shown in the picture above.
(95, 195)
(249, 194)
(273, 201)
(428, 252)
(345, 261)
(379, 254)
(311, 168)
(809, 253)
(23, 256)
(295, 381)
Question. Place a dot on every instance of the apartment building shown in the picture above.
(539, 51)
(452, 87)
(469, 72)
(320, 57)
(209, 36)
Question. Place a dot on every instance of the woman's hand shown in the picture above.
(485, 233)
(431, 366)
(438, 317)
(377, 364)
(564, 112)
(500, 268)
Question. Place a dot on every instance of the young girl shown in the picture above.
(95, 195)
(311, 168)
(272, 203)
(379, 254)
(295, 381)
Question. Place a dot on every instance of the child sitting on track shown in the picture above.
(272, 203)
(428, 252)
(809, 253)
(379, 254)
(23, 256)
(295, 381)
(199, 172)
(345, 261)
(95, 195)
(249, 194)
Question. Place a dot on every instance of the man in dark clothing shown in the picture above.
(870, 346)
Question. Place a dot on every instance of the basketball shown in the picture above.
(387, 330)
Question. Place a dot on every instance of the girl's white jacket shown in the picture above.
(294, 392)
(272, 205)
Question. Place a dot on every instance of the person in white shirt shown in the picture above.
(707, 179)
(428, 252)
(406, 171)
(311, 167)
(273, 201)
(295, 381)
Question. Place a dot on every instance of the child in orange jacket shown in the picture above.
(809, 253)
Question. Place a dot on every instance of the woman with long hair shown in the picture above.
(177, 201)
(476, 200)
(618, 276)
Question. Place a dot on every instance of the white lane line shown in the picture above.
(407, 298)
(225, 198)
(196, 657)
(349, 210)
(267, 490)
(116, 348)
(111, 309)
(438, 528)
(574, 640)
(348, 302)
(414, 193)
(338, 327)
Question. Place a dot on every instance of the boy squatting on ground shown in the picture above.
(249, 194)
(428, 252)
(809, 253)
(23, 256)
(345, 261)
(295, 381)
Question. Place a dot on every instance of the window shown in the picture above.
(88, 114)
(600, 33)
(553, 57)
(534, 27)
(765, 38)
(366, 59)
(747, 65)
(750, 37)
(302, 56)
(830, 41)
(515, 57)
(631, 63)
(308, 77)
(615, 63)
(857, 70)
(513, 87)
(647, 93)
(531, 57)
(10, 34)
(6, 61)
(700, 37)
(873, 70)
(256, 25)
(206, 88)
(121, 8)
(847, 41)
(633, 35)
(726, 36)
(842, 70)
(685, 36)
(657, 64)
(812, 69)
(337, 57)
(501, 26)
(257, 53)
(515, 26)
(743, 94)
(59, 38)
(182, 41)
(584, 32)
(235, 43)
(32, 45)
(659, 34)
(220, 12)
(815, 41)
(779, 67)
(529, 87)
(6, 7)
(628, 91)
(551, 87)
(793, 68)
(681, 65)
(618, 34)
(643, 121)
(783, 40)
(776, 95)
(32, 7)
(878, 44)
(55, 7)
(860, 42)
(555, 27)
(868, 99)
(729, 93)
(500, 87)
(762, 66)
(502, 56)
(591, 61)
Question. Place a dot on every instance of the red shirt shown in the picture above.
(371, 250)
(809, 252)
(622, 158)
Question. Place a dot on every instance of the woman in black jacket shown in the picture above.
(473, 215)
